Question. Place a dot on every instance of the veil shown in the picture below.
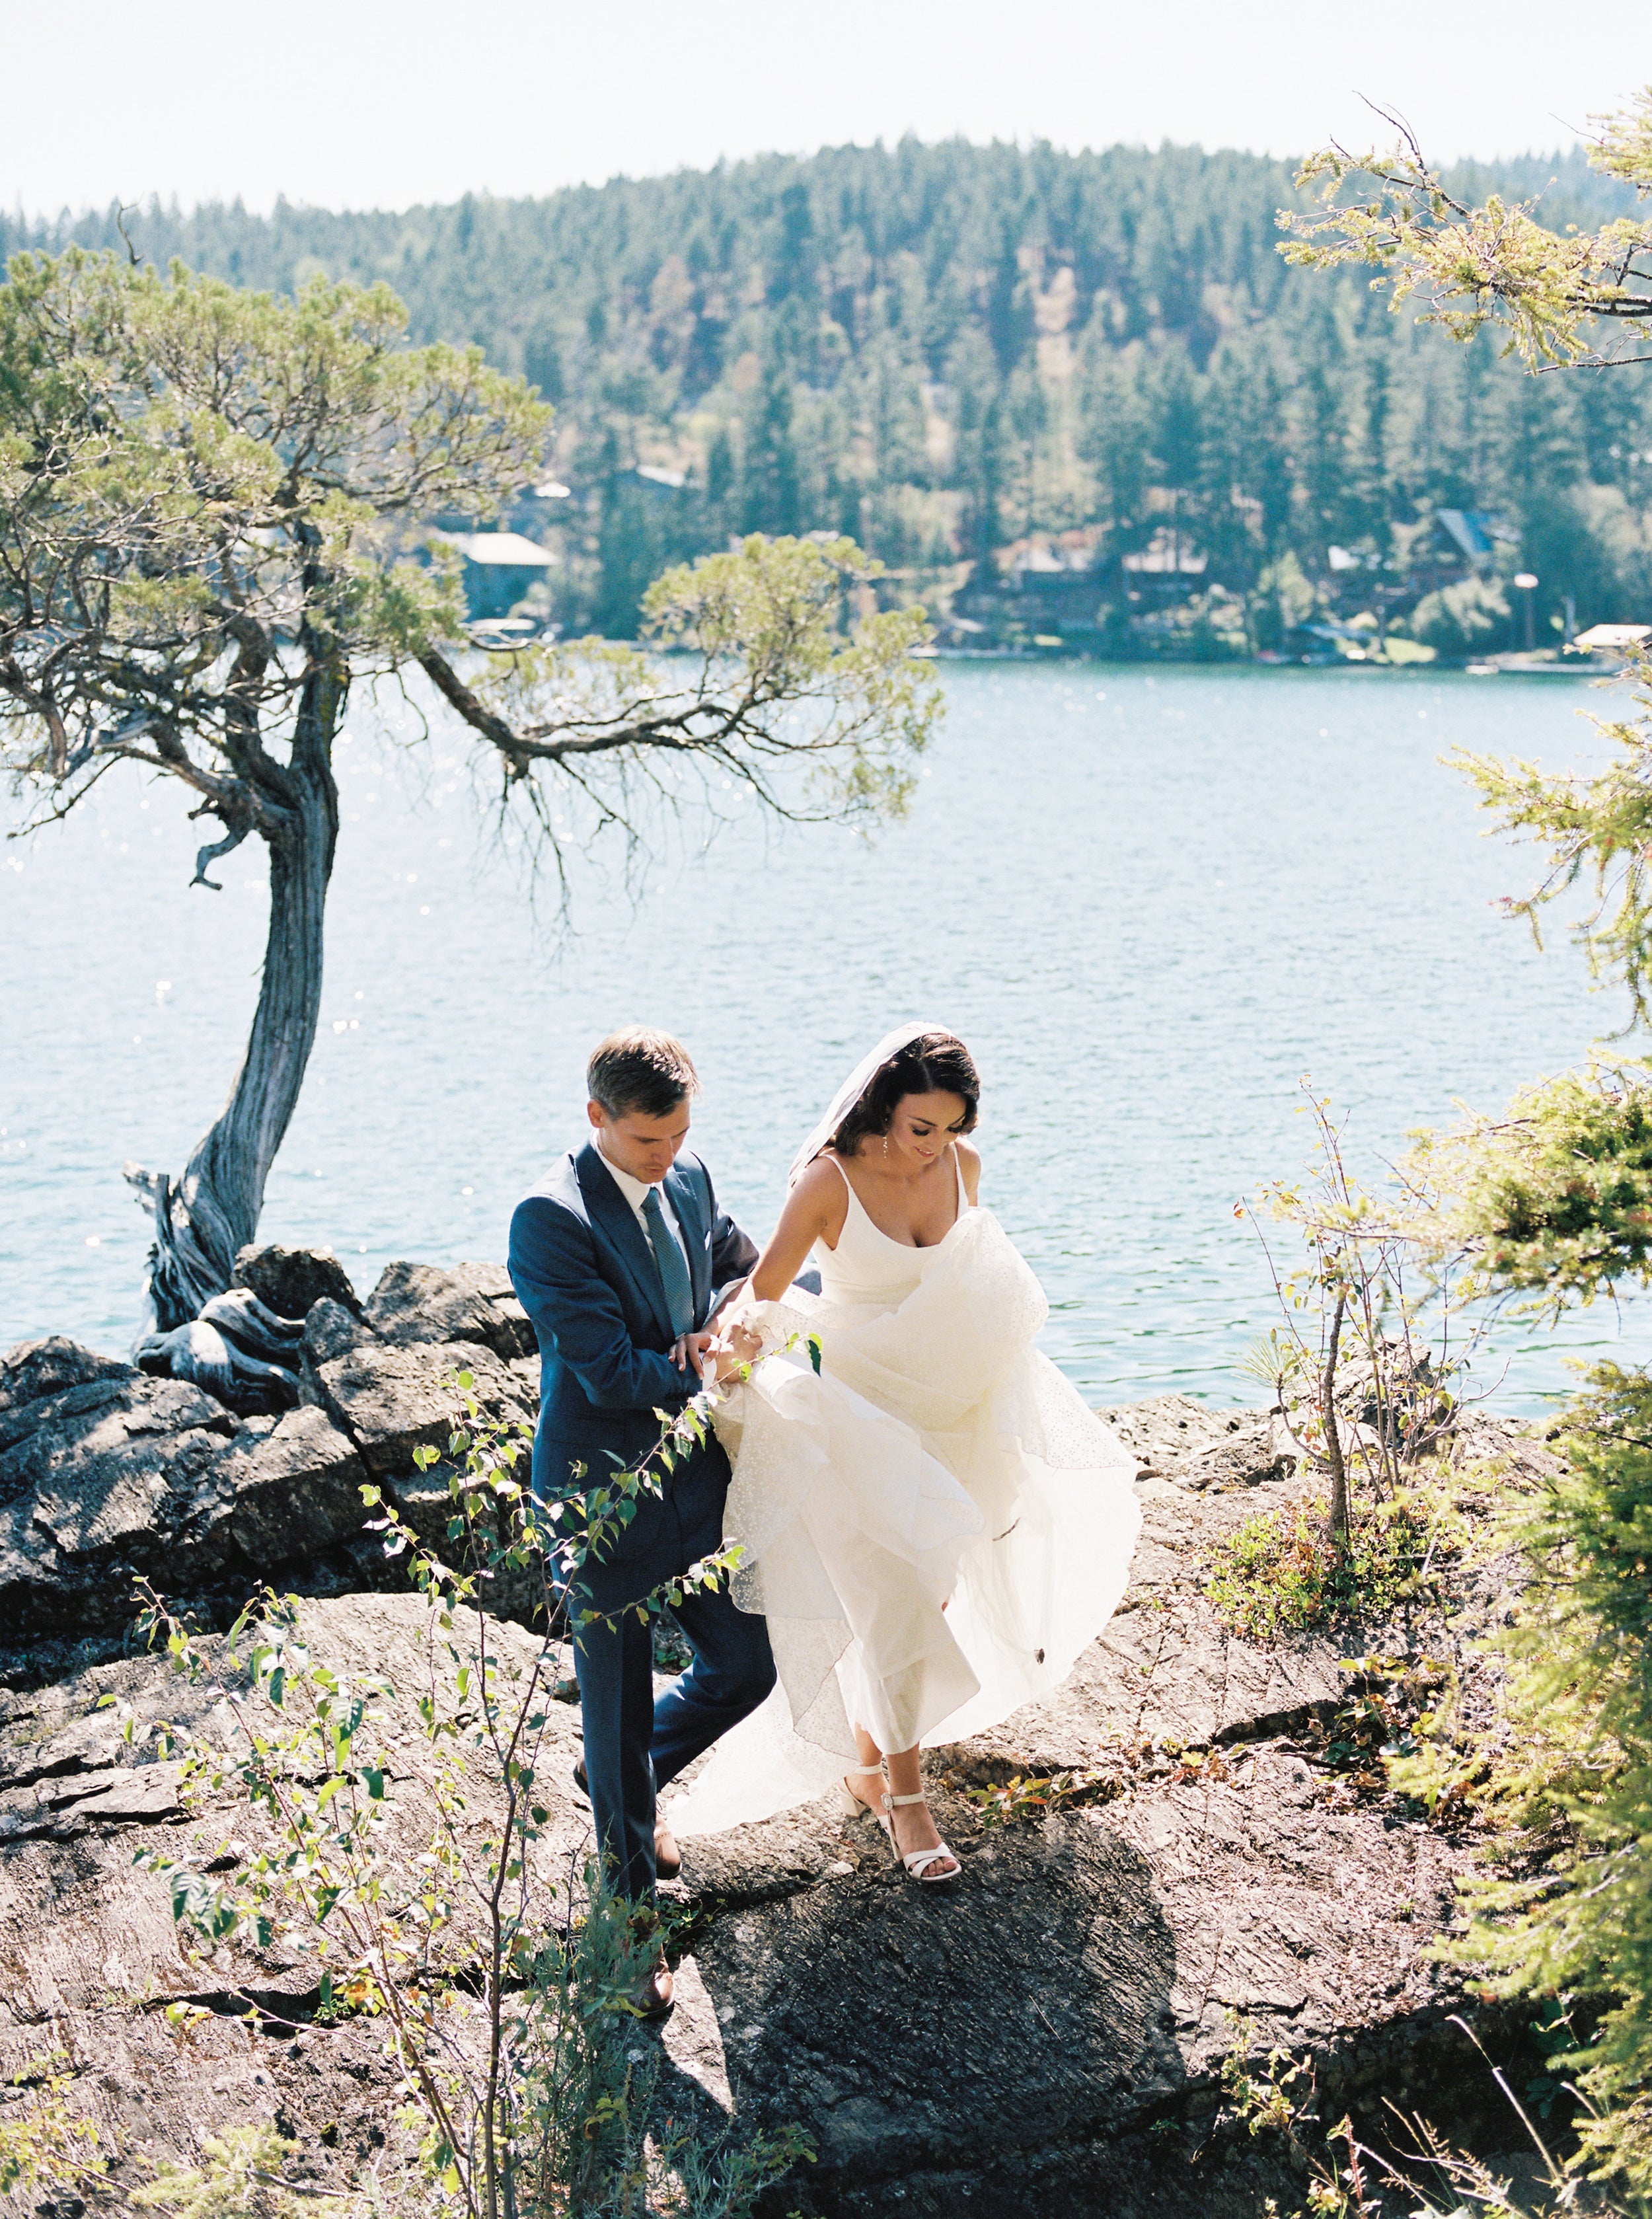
(851, 1090)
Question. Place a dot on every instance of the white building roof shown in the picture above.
(509, 549)
(1614, 635)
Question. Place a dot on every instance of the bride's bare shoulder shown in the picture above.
(820, 1198)
(969, 1162)
(820, 1185)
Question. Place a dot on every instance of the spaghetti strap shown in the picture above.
(963, 1198)
(854, 1201)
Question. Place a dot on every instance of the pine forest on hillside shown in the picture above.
(1078, 398)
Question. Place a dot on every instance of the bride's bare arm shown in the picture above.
(815, 1210)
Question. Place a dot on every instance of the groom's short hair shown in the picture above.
(642, 1070)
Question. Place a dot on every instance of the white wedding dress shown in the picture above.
(936, 1457)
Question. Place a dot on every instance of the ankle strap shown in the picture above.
(891, 1801)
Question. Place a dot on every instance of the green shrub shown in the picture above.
(42, 2144)
(1563, 1908)
(1283, 1573)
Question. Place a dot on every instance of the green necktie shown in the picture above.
(673, 1272)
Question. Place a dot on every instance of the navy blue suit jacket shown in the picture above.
(584, 1272)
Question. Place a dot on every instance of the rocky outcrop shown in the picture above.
(1047, 2034)
(109, 1476)
(1177, 1438)
(1050, 2033)
(123, 1478)
(417, 1303)
(90, 1956)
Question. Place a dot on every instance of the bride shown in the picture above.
(933, 1522)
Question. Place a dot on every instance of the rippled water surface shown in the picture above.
(1150, 902)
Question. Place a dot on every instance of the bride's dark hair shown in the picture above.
(933, 1063)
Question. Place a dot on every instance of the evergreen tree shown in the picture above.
(812, 342)
(1177, 446)
(773, 490)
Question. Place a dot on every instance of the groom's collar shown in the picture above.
(634, 1190)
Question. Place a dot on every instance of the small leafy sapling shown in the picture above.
(1368, 1366)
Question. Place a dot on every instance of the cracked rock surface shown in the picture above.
(1048, 2033)
(1082, 1985)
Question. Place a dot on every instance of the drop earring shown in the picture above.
(885, 1148)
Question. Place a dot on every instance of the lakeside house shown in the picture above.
(499, 569)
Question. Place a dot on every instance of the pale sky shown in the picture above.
(343, 104)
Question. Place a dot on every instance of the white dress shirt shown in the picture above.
(636, 1192)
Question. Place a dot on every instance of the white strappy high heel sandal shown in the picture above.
(916, 1861)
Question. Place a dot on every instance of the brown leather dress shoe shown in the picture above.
(655, 1995)
(667, 1857)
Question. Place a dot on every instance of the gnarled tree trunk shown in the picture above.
(204, 1218)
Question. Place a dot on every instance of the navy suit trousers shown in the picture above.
(633, 1744)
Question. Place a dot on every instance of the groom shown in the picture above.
(621, 1258)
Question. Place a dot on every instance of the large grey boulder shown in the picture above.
(418, 1303)
(109, 1475)
(291, 1488)
(291, 1281)
(119, 1476)
(35, 1369)
(100, 1482)
(391, 1401)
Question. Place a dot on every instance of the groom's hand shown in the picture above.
(689, 1349)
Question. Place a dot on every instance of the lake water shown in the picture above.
(1149, 900)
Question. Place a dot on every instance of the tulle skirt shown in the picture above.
(935, 1525)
